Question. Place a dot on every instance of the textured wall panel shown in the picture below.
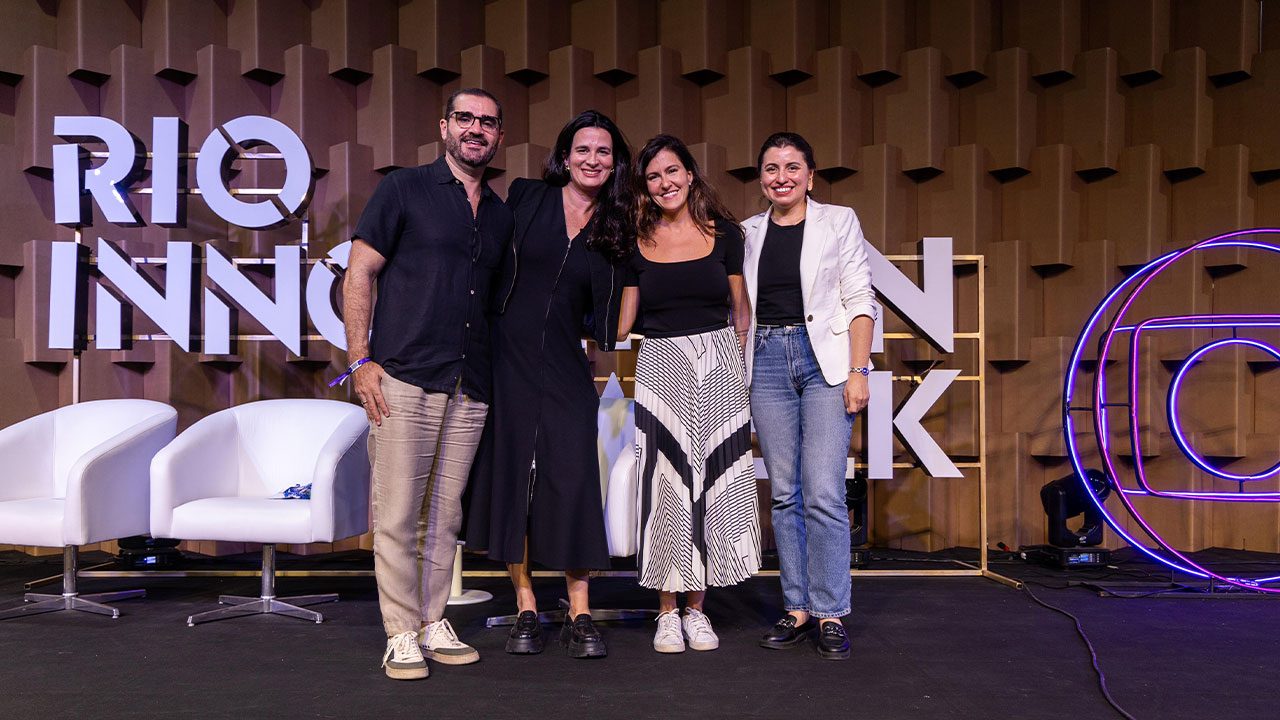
(350, 30)
(882, 195)
(832, 110)
(914, 112)
(999, 113)
(962, 203)
(174, 30)
(572, 88)
(23, 24)
(262, 30)
(746, 106)
(1043, 208)
(88, 30)
(1131, 208)
(1242, 114)
(1068, 141)
(790, 32)
(703, 32)
(1227, 30)
(661, 99)
(46, 91)
(1049, 30)
(393, 107)
(1137, 29)
(962, 30)
(526, 31)
(438, 31)
(614, 31)
(1175, 112)
(1087, 113)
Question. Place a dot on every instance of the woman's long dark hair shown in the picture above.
(704, 204)
(610, 231)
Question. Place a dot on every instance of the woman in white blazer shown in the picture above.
(812, 310)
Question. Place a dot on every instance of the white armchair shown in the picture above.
(79, 475)
(217, 480)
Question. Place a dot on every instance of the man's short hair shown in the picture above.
(475, 91)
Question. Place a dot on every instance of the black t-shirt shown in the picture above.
(779, 300)
(688, 296)
(430, 325)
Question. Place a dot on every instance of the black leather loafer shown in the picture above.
(786, 634)
(581, 638)
(526, 636)
(833, 641)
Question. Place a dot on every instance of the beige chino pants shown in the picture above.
(420, 458)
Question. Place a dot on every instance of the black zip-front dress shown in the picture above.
(544, 397)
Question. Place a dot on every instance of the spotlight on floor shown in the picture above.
(1065, 499)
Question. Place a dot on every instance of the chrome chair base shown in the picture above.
(69, 598)
(241, 606)
(266, 603)
(38, 603)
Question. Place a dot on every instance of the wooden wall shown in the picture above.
(1066, 140)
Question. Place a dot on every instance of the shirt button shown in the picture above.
(810, 318)
(468, 324)
(464, 356)
(473, 292)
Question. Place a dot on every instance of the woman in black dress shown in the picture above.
(536, 484)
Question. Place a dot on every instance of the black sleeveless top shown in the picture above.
(687, 297)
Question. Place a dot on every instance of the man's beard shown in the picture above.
(454, 147)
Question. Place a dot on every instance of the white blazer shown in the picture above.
(835, 282)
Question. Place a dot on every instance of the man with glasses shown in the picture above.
(432, 238)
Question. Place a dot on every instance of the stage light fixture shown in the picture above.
(1064, 499)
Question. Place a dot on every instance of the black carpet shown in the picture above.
(923, 648)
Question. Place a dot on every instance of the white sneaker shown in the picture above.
(403, 659)
(669, 638)
(697, 627)
(441, 643)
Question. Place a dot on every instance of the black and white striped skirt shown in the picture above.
(699, 516)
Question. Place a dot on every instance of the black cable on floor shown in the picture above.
(1093, 654)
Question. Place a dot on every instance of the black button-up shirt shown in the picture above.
(430, 326)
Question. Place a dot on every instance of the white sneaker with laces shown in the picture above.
(441, 643)
(403, 658)
(669, 638)
(697, 628)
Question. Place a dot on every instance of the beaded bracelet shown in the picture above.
(350, 369)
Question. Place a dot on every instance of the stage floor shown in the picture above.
(923, 648)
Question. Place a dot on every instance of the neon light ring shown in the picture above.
(1104, 329)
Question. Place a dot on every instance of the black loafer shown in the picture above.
(581, 638)
(833, 641)
(526, 636)
(786, 634)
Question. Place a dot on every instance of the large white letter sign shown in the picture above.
(881, 422)
(282, 318)
(171, 310)
(928, 309)
(71, 178)
(240, 134)
(320, 296)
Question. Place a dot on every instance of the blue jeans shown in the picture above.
(804, 435)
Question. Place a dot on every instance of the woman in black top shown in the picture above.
(535, 492)
(699, 520)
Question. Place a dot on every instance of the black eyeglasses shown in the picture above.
(465, 120)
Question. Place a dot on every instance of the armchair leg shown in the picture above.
(267, 603)
(38, 603)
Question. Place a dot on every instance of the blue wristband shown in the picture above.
(350, 369)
